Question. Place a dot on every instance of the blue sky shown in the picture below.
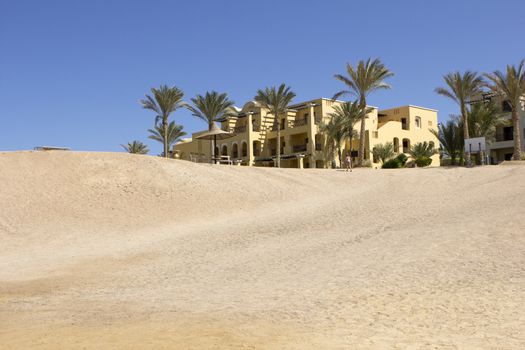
(72, 72)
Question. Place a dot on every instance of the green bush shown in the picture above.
(392, 164)
(423, 162)
(402, 158)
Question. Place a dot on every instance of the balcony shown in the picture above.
(299, 148)
(500, 137)
(240, 129)
(300, 122)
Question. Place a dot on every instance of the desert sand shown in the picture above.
(118, 251)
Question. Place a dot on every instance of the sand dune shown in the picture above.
(104, 250)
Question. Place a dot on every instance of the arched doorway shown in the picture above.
(396, 145)
(406, 145)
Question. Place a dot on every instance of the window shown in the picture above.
(404, 125)
(418, 122)
(508, 133)
(505, 106)
(283, 123)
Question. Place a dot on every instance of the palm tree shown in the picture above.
(421, 153)
(384, 152)
(335, 133)
(511, 86)
(450, 136)
(136, 147)
(483, 119)
(211, 108)
(461, 88)
(350, 114)
(365, 78)
(175, 133)
(165, 101)
(276, 100)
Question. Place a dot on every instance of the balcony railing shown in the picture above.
(300, 122)
(299, 148)
(318, 120)
(504, 137)
(239, 129)
(406, 149)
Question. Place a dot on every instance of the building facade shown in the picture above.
(503, 146)
(302, 142)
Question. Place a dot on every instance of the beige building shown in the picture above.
(503, 147)
(302, 143)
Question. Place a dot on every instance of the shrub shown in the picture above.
(383, 152)
(402, 158)
(423, 162)
(392, 164)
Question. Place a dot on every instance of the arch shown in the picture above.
(249, 105)
(224, 150)
(418, 123)
(244, 149)
(396, 145)
(235, 150)
(406, 145)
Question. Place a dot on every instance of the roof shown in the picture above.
(409, 106)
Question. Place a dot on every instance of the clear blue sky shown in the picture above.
(72, 72)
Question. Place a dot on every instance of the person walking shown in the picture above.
(348, 161)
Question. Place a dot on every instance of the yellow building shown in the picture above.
(302, 143)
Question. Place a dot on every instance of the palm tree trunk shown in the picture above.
(362, 104)
(464, 116)
(278, 143)
(165, 127)
(517, 136)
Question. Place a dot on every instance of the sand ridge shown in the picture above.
(104, 250)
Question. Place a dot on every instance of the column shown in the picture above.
(288, 144)
(250, 140)
(311, 134)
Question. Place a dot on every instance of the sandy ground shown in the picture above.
(116, 251)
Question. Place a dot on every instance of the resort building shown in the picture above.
(503, 146)
(302, 142)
